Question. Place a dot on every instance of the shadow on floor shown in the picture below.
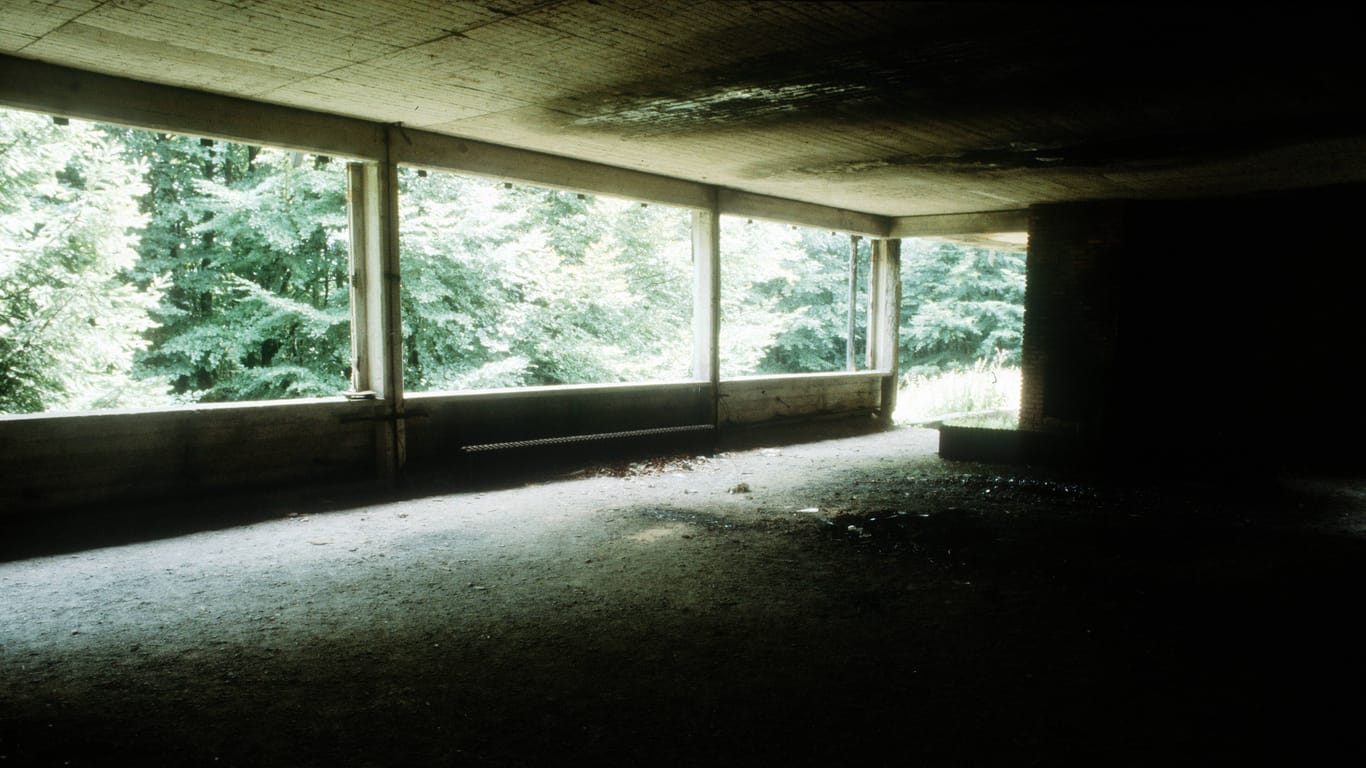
(60, 531)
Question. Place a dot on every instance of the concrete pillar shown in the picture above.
(884, 324)
(376, 343)
(706, 255)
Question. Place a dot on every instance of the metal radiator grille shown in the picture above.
(569, 439)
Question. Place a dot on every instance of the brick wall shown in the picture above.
(1070, 316)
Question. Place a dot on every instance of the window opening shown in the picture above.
(509, 285)
(962, 328)
(785, 299)
(141, 268)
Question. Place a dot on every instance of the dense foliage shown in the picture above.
(251, 245)
(71, 320)
(141, 268)
(528, 286)
(805, 305)
(959, 306)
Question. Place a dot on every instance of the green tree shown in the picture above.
(960, 305)
(653, 246)
(617, 306)
(251, 244)
(528, 286)
(815, 299)
(466, 271)
(70, 320)
(757, 261)
(785, 299)
(243, 264)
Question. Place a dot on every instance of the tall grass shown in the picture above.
(985, 387)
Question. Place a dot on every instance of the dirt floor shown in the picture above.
(852, 600)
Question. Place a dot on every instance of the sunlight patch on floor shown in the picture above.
(659, 532)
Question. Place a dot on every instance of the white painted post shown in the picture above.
(884, 326)
(850, 361)
(358, 225)
(706, 256)
(870, 311)
(376, 331)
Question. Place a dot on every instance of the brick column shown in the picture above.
(1071, 318)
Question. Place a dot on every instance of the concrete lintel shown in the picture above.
(734, 202)
(961, 223)
(438, 151)
(67, 92)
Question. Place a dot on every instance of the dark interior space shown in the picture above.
(1254, 320)
(1201, 347)
(858, 601)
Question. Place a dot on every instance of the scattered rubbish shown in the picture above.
(953, 532)
(674, 464)
(810, 510)
(684, 516)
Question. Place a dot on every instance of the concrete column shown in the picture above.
(376, 333)
(706, 255)
(850, 360)
(884, 325)
(1071, 317)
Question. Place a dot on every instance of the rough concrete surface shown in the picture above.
(851, 600)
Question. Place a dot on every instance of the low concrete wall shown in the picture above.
(440, 426)
(65, 460)
(766, 398)
(55, 460)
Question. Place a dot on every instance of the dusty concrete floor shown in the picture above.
(846, 601)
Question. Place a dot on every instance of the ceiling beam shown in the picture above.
(751, 206)
(961, 224)
(63, 91)
(438, 151)
(67, 92)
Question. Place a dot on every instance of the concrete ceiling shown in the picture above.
(889, 108)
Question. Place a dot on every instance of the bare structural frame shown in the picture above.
(68, 459)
